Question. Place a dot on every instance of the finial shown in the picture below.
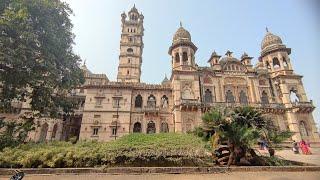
(180, 24)
(84, 63)
(267, 29)
(134, 5)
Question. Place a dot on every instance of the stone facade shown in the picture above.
(112, 109)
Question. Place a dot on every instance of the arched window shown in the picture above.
(164, 101)
(276, 63)
(285, 63)
(151, 127)
(303, 129)
(151, 101)
(43, 132)
(207, 96)
(294, 96)
(138, 101)
(232, 67)
(54, 132)
(130, 50)
(243, 98)
(129, 60)
(164, 127)
(137, 127)
(177, 58)
(229, 97)
(184, 57)
(264, 98)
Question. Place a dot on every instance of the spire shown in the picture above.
(180, 24)
(229, 53)
(267, 29)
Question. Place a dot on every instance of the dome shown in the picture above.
(270, 39)
(181, 34)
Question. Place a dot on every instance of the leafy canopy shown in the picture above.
(36, 57)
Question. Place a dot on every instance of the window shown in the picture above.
(151, 127)
(184, 57)
(138, 101)
(130, 39)
(207, 96)
(268, 65)
(164, 101)
(96, 116)
(130, 50)
(95, 131)
(164, 127)
(177, 58)
(137, 127)
(128, 72)
(264, 98)
(129, 60)
(98, 101)
(114, 131)
(294, 96)
(243, 98)
(276, 63)
(151, 101)
(116, 103)
(303, 129)
(229, 97)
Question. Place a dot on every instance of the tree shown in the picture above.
(238, 128)
(37, 61)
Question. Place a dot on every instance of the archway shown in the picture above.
(151, 127)
(164, 127)
(54, 132)
(264, 98)
(43, 132)
(229, 97)
(243, 98)
(207, 96)
(137, 127)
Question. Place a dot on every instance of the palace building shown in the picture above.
(111, 109)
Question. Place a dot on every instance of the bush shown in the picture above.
(168, 149)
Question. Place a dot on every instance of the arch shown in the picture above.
(208, 96)
(264, 97)
(137, 127)
(184, 56)
(130, 50)
(138, 101)
(43, 132)
(164, 101)
(303, 129)
(151, 101)
(229, 97)
(164, 128)
(284, 62)
(54, 132)
(243, 97)
(151, 127)
(276, 63)
(294, 97)
(177, 58)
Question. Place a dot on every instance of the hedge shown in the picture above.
(168, 149)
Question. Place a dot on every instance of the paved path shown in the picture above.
(314, 158)
(218, 176)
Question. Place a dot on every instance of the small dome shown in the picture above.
(134, 9)
(270, 39)
(181, 34)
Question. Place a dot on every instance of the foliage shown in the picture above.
(13, 133)
(36, 57)
(168, 149)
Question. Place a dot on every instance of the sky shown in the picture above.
(238, 26)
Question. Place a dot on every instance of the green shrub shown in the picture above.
(167, 149)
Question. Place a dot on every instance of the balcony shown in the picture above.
(305, 107)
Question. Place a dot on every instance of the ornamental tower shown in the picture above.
(131, 47)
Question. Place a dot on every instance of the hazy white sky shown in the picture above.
(214, 25)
